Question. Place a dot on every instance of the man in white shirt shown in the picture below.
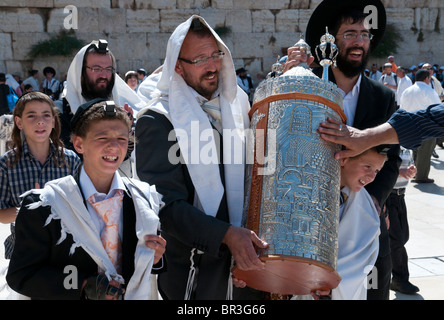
(375, 74)
(403, 83)
(416, 97)
(389, 78)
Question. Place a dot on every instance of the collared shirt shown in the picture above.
(16, 180)
(418, 96)
(350, 101)
(89, 189)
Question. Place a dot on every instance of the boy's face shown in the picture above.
(359, 171)
(103, 149)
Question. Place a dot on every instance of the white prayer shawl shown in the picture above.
(66, 201)
(121, 92)
(358, 245)
(173, 98)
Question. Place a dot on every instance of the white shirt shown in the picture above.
(350, 101)
(88, 190)
(33, 82)
(403, 83)
(418, 96)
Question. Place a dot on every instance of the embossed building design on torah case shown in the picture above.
(293, 180)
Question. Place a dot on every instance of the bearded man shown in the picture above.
(92, 74)
(358, 26)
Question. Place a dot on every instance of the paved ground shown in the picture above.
(425, 203)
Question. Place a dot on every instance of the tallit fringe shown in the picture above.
(230, 282)
(191, 277)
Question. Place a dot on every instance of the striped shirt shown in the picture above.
(21, 177)
(413, 128)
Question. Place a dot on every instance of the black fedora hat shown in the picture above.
(328, 12)
(49, 70)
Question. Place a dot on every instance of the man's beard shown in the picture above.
(203, 91)
(352, 69)
(90, 90)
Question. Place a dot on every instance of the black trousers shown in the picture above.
(380, 276)
(399, 235)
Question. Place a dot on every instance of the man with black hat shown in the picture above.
(358, 26)
(50, 85)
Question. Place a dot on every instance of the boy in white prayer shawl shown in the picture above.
(358, 232)
(62, 248)
(203, 196)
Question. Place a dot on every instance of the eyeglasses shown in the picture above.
(352, 35)
(203, 61)
(98, 69)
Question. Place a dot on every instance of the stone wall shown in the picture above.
(138, 30)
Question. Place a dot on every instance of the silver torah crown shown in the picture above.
(326, 52)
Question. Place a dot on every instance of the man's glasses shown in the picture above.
(98, 69)
(203, 61)
(365, 36)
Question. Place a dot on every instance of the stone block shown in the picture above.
(155, 4)
(21, 20)
(129, 45)
(263, 21)
(223, 4)
(170, 19)
(83, 3)
(142, 21)
(112, 21)
(402, 19)
(22, 43)
(27, 3)
(5, 46)
(261, 4)
(87, 20)
(287, 21)
(156, 45)
(239, 20)
(193, 4)
(214, 17)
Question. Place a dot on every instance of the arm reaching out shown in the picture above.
(356, 141)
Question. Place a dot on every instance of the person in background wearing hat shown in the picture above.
(434, 82)
(391, 60)
(366, 103)
(420, 96)
(64, 248)
(142, 74)
(132, 80)
(50, 85)
(245, 82)
(403, 82)
(390, 79)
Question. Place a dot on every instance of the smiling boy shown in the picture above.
(358, 233)
(63, 224)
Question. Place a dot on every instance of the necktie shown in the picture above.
(343, 198)
(109, 210)
(212, 108)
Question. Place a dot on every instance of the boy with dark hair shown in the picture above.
(91, 236)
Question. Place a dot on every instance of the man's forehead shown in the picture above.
(99, 58)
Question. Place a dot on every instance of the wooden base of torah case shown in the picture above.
(293, 184)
